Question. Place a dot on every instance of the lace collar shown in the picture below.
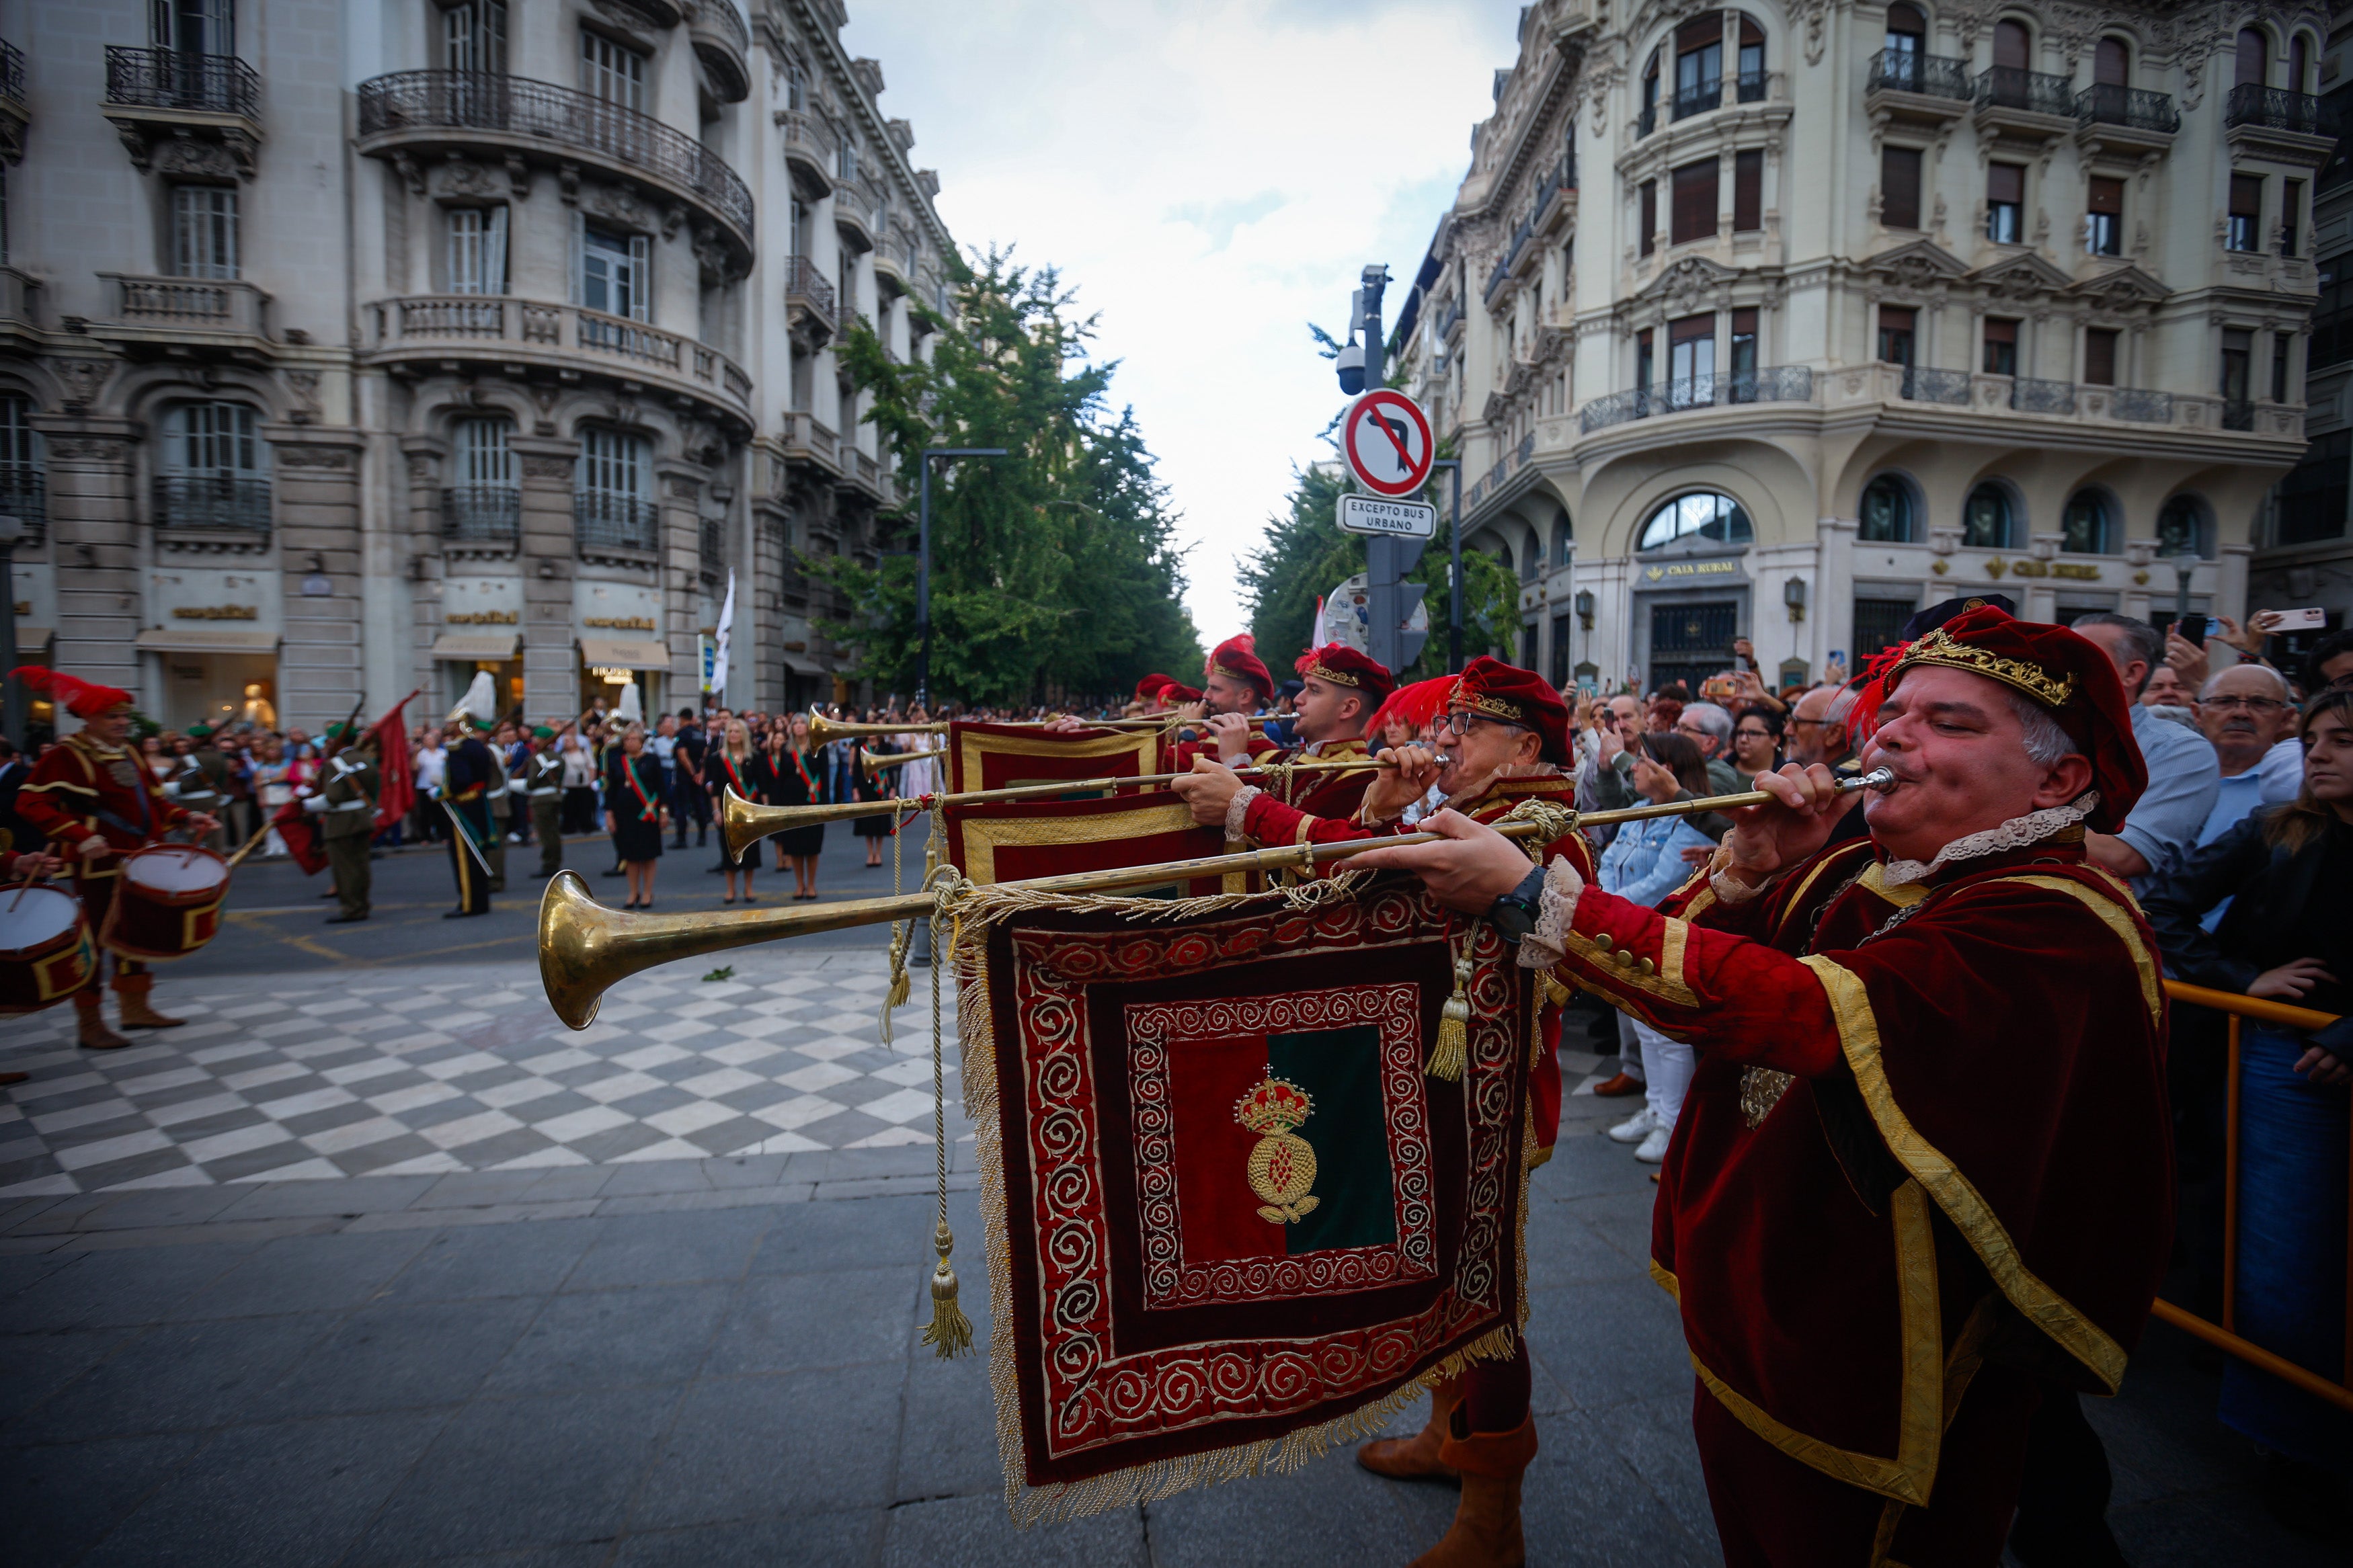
(2018, 833)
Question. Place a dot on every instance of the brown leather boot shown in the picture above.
(130, 1001)
(1486, 1530)
(89, 1013)
(1416, 1457)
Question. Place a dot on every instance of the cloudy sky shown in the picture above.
(1211, 176)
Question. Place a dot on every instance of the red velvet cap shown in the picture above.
(1494, 690)
(1152, 685)
(1340, 665)
(82, 698)
(2064, 673)
(1176, 694)
(1416, 704)
(1237, 658)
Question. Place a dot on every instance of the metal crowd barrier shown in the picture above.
(2223, 1334)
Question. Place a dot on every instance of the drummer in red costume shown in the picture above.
(1504, 739)
(96, 803)
(1922, 1180)
(16, 867)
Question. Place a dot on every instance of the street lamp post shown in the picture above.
(924, 561)
(2183, 565)
(1454, 578)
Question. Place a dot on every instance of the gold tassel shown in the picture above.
(1452, 1054)
(950, 1331)
(901, 985)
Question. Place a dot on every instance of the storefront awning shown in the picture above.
(484, 648)
(33, 639)
(801, 664)
(174, 639)
(623, 653)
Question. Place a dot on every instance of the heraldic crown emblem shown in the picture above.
(1282, 1166)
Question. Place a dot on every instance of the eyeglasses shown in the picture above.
(1753, 734)
(2252, 704)
(1460, 722)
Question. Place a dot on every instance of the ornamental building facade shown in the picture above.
(1782, 321)
(351, 346)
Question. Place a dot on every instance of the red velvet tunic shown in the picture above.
(78, 788)
(1971, 1164)
(1271, 823)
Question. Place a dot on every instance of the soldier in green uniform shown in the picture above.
(345, 803)
(543, 782)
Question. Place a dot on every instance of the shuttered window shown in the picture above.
(2006, 204)
(1695, 211)
(2011, 46)
(2000, 347)
(1649, 216)
(1899, 187)
(2108, 63)
(2100, 357)
(2104, 221)
(2246, 212)
(1895, 334)
(1748, 192)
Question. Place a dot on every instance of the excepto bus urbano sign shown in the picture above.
(1397, 519)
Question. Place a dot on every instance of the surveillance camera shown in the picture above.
(1351, 365)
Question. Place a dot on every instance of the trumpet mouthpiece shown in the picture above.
(1878, 779)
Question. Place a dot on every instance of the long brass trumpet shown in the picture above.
(743, 822)
(587, 948)
(873, 765)
(824, 731)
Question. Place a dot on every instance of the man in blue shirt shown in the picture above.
(2184, 775)
(2248, 713)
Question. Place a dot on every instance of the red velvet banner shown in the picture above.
(998, 756)
(1229, 1216)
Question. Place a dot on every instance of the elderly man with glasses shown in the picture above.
(2249, 714)
(1709, 727)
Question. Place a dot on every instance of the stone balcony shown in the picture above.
(808, 152)
(184, 113)
(723, 46)
(150, 317)
(2119, 408)
(854, 217)
(423, 335)
(418, 118)
(2273, 122)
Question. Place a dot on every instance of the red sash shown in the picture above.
(651, 811)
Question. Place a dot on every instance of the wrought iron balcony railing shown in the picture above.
(12, 71)
(710, 548)
(2134, 108)
(1931, 76)
(24, 496)
(1775, 383)
(1698, 98)
(1646, 121)
(2142, 406)
(213, 503)
(805, 279)
(1921, 385)
(2029, 395)
(482, 514)
(174, 79)
(602, 520)
(2238, 414)
(2276, 109)
(483, 100)
(1750, 86)
(2036, 92)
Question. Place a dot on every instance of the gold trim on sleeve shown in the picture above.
(2044, 1307)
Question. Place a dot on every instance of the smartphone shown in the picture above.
(2300, 621)
(2191, 629)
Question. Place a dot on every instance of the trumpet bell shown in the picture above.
(824, 731)
(575, 946)
(875, 764)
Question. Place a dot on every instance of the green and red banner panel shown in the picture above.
(1230, 1218)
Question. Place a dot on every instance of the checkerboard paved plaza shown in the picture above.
(464, 1067)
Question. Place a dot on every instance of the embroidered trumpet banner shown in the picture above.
(1231, 1220)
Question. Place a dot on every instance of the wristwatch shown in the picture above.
(1515, 914)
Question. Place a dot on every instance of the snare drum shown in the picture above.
(45, 949)
(166, 902)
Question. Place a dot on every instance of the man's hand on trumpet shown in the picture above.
(1416, 768)
(1208, 789)
(1467, 867)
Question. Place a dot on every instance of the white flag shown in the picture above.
(726, 631)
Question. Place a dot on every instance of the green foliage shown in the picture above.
(1055, 570)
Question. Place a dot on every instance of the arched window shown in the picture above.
(1563, 539)
(1887, 512)
(2088, 526)
(1704, 514)
(2253, 57)
(2111, 65)
(2182, 527)
(2013, 46)
(1989, 522)
(1649, 119)
(1908, 41)
(2299, 63)
(1751, 60)
(1531, 556)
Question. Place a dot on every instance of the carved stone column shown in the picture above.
(423, 455)
(94, 523)
(317, 475)
(772, 525)
(681, 497)
(551, 664)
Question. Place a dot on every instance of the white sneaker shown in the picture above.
(1653, 1151)
(1635, 1128)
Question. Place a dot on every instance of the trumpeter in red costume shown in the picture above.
(1236, 684)
(96, 801)
(1922, 1182)
(1503, 741)
(1339, 691)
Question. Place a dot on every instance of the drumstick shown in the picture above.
(30, 877)
(246, 848)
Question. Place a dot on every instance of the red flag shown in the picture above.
(300, 835)
(394, 766)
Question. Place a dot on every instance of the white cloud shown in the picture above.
(1211, 178)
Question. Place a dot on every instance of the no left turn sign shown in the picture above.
(1386, 439)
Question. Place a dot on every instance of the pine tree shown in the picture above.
(1055, 570)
